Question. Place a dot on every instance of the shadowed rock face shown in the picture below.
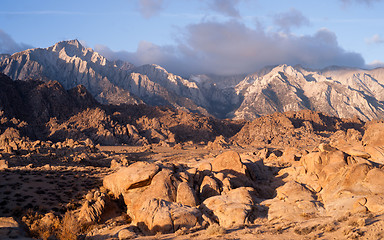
(38, 101)
(303, 128)
(45, 110)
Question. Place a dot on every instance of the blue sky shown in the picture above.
(212, 36)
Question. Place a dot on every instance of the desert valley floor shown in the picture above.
(328, 188)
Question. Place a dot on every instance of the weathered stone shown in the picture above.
(357, 153)
(324, 165)
(228, 161)
(136, 175)
(374, 134)
(115, 164)
(126, 233)
(113, 232)
(204, 166)
(3, 164)
(376, 153)
(156, 215)
(10, 229)
(326, 147)
(232, 209)
(162, 187)
(209, 187)
(263, 153)
(291, 154)
(374, 181)
(185, 195)
(293, 202)
(93, 208)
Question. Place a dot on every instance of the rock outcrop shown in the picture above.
(231, 209)
(11, 229)
(158, 199)
(296, 129)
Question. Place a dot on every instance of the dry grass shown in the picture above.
(305, 230)
(352, 233)
(38, 228)
(308, 215)
(329, 227)
(357, 222)
(216, 229)
(70, 227)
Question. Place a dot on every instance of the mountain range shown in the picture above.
(337, 91)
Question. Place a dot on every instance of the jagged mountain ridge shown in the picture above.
(114, 82)
(338, 91)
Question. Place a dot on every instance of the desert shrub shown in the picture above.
(215, 229)
(38, 228)
(305, 230)
(329, 227)
(70, 227)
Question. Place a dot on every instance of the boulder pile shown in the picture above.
(166, 198)
(333, 180)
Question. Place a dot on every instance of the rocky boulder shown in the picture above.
(228, 161)
(232, 209)
(185, 195)
(3, 164)
(162, 216)
(137, 175)
(10, 229)
(373, 140)
(93, 207)
(293, 201)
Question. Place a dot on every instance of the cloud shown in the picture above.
(233, 48)
(146, 53)
(375, 39)
(289, 19)
(149, 8)
(225, 7)
(9, 46)
(375, 64)
(367, 2)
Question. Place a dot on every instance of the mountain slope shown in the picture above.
(114, 82)
(70, 64)
(340, 92)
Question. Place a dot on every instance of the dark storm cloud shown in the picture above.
(289, 19)
(149, 8)
(233, 48)
(9, 46)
